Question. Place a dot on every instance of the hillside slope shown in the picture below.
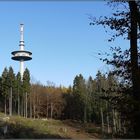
(19, 127)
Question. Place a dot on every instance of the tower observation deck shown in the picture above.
(21, 55)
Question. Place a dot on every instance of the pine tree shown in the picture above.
(99, 92)
(1, 95)
(19, 91)
(90, 99)
(26, 90)
(11, 85)
(5, 88)
(80, 97)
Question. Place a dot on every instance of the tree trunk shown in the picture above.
(26, 105)
(119, 123)
(134, 66)
(15, 107)
(47, 110)
(34, 107)
(85, 108)
(30, 106)
(107, 119)
(102, 119)
(18, 104)
(22, 104)
(9, 105)
(85, 114)
(5, 109)
(10, 102)
(37, 106)
(51, 110)
(114, 121)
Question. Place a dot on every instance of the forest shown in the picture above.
(91, 100)
(110, 100)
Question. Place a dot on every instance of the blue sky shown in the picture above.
(59, 36)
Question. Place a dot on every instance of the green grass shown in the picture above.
(19, 127)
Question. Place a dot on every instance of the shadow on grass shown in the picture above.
(19, 131)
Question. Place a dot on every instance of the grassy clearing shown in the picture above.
(19, 127)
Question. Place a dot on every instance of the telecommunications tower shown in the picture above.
(21, 55)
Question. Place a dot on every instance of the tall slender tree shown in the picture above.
(79, 94)
(5, 88)
(26, 90)
(18, 91)
(11, 85)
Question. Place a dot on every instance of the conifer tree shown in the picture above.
(26, 90)
(18, 91)
(11, 85)
(5, 88)
(79, 93)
